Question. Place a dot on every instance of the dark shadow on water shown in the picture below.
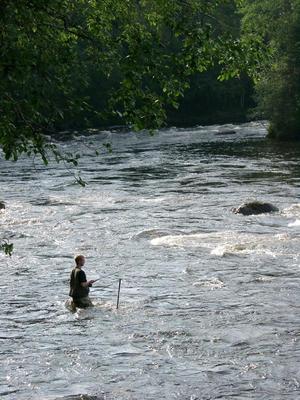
(254, 148)
(81, 397)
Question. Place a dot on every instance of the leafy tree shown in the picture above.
(39, 59)
(146, 50)
(276, 26)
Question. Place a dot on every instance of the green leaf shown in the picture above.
(7, 247)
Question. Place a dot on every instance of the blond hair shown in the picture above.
(78, 258)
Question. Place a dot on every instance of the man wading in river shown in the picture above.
(79, 286)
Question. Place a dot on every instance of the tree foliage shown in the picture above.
(276, 26)
(39, 60)
(133, 60)
(146, 50)
(6, 247)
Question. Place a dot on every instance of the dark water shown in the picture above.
(209, 304)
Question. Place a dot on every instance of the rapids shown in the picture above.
(209, 305)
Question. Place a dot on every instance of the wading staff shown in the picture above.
(120, 280)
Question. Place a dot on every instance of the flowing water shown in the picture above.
(209, 305)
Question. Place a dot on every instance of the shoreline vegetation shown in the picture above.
(81, 64)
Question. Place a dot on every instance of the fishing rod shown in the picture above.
(120, 281)
(119, 286)
(118, 297)
(119, 289)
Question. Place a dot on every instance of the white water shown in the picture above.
(209, 300)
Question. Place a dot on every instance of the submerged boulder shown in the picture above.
(226, 132)
(254, 207)
(2, 205)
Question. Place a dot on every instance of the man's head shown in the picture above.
(80, 260)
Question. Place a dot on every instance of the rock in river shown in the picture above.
(226, 132)
(254, 207)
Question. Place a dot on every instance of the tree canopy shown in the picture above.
(133, 60)
(145, 50)
(276, 26)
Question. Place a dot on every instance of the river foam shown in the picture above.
(209, 301)
(292, 210)
(230, 242)
(295, 223)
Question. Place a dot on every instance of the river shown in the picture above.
(209, 302)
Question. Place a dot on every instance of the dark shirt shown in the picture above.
(76, 278)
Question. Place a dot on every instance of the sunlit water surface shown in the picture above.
(209, 305)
